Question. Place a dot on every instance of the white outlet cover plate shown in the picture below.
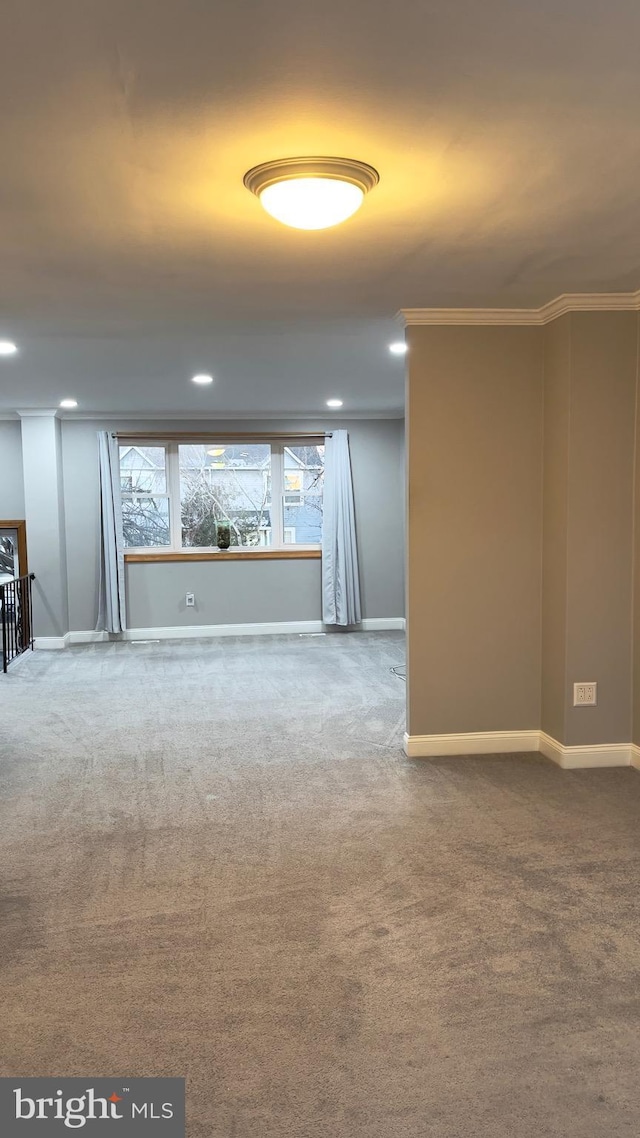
(585, 694)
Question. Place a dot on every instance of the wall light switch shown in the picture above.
(585, 695)
(190, 600)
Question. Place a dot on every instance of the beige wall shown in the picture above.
(557, 388)
(474, 435)
(635, 626)
(521, 555)
(590, 393)
(600, 523)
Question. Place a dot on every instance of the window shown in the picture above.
(145, 499)
(225, 483)
(303, 485)
(174, 494)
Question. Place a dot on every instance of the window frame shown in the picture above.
(278, 547)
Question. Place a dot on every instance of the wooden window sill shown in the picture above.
(228, 555)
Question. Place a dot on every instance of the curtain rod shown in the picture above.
(219, 436)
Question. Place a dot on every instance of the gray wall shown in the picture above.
(11, 480)
(474, 427)
(44, 506)
(235, 593)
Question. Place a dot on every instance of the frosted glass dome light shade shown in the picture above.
(312, 203)
(311, 193)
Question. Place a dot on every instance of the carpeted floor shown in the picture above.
(216, 862)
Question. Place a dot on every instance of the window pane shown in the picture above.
(9, 561)
(142, 470)
(223, 482)
(303, 485)
(145, 521)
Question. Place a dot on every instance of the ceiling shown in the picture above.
(505, 134)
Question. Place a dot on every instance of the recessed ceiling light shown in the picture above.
(311, 193)
(7, 348)
(334, 403)
(202, 379)
(69, 403)
(398, 349)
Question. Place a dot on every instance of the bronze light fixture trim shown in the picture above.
(311, 192)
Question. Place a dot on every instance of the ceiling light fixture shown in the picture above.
(68, 403)
(311, 193)
(216, 452)
(334, 403)
(398, 349)
(202, 379)
(7, 348)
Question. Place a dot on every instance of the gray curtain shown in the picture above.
(340, 579)
(111, 602)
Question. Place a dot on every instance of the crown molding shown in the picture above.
(567, 302)
(590, 302)
(192, 416)
(469, 316)
(37, 413)
(239, 416)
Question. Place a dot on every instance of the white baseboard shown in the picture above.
(574, 758)
(472, 743)
(507, 742)
(204, 631)
(51, 642)
(382, 624)
(89, 637)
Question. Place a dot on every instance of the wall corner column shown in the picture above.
(474, 454)
(44, 514)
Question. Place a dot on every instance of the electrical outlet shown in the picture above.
(190, 600)
(585, 695)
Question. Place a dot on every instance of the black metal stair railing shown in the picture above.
(16, 618)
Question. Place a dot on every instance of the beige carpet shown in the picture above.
(216, 862)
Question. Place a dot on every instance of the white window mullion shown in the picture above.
(277, 496)
(173, 487)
